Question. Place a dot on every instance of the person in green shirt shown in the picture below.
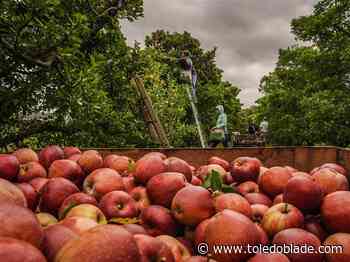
(219, 133)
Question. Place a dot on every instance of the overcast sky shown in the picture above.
(248, 33)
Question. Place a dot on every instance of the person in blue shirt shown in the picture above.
(219, 131)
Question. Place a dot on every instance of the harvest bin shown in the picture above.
(302, 158)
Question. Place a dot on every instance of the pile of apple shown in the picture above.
(64, 205)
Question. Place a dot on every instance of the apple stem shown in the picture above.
(286, 208)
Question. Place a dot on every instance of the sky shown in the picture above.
(248, 33)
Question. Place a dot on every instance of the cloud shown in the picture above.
(248, 33)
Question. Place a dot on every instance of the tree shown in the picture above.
(307, 97)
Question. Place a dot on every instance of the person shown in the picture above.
(190, 71)
(264, 126)
(219, 133)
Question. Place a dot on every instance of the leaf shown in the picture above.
(207, 182)
(227, 189)
(216, 181)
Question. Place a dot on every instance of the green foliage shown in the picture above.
(215, 183)
(307, 97)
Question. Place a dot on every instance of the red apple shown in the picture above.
(336, 167)
(46, 219)
(155, 154)
(54, 192)
(199, 233)
(70, 151)
(75, 158)
(258, 212)
(179, 251)
(38, 183)
(199, 259)
(90, 160)
(233, 202)
(335, 211)
(177, 165)
(102, 181)
(299, 237)
(135, 229)
(264, 238)
(196, 181)
(26, 155)
(9, 167)
(330, 181)
(117, 204)
(248, 187)
(245, 169)
(303, 193)
(291, 169)
(262, 171)
(107, 161)
(55, 237)
(147, 167)
(278, 199)
(79, 225)
(162, 188)
(74, 200)
(157, 220)
(87, 211)
(313, 226)
(192, 204)
(139, 194)
(15, 250)
(20, 223)
(10, 193)
(153, 249)
(258, 198)
(281, 217)
(67, 169)
(339, 244)
(123, 165)
(129, 183)
(302, 174)
(219, 161)
(101, 244)
(30, 194)
(271, 257)
(274, 180)
(49, 154)
(30, 171)
(231, 228)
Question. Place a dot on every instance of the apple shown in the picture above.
(139, 194)
(245, 169)
(205, 171)
(233, 202)
(70, 151)
(87, 211)
(122, 164)
(15, 250)
(10, 193)
(109, 159)
(157, 220)
(271, 257)
(20, 223)
(258, 198)
(9, 167)
(299, 237)
(258, 212)
(262, 171)
(49, 154)
(291, 169)
(102, 181)
(162, 188)
(74, 200)
(103, 243)
(187, 243)
(274, 180)
(46, 219)
(67, 169)
(302, 174)
(54, 192)
(30, 171)
(135, 229)
(155, 154)
(117, 204)
(75, 158)
(231, 228)
(280, 217)
(228, 179)
(30, 194)
(336, 167)
(90, 160)
(38, 183)
(179, 251)
(248, 187)
(303, 193)
(330, 181)
(79, 225)
(55, 237)
(199, 259)
(192, 204)
(278, 199)
(177, 165)
(335, 241)
(153, 249)
(199, 233)
(264, 238)
(219, 161)
(313, 226)
(129, 183)
(335, 212)
(196, 181)
(25, 155)
(147, 167)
